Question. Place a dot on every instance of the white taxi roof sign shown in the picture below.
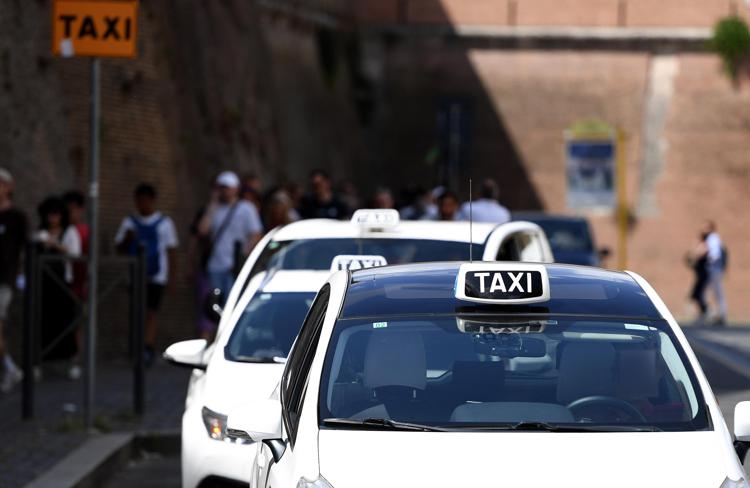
(354, 262)
(376, 218)
(502, 283)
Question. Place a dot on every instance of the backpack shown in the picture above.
(148, 236)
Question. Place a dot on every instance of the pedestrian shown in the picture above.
(13, 238)
(322, 202)
(349, 195)
(155, 233)
(448, 206)
(56, 237)
(76, 206)
(278, 210)
(421, 205)
(486, 208)
(251, 190)
(227, 222)
(383, 198)
(716, 256)
(698, 261)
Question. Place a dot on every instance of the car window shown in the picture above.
(294, 379)
(479, 371)
(268, 326)
(568, 235)
(317, 254)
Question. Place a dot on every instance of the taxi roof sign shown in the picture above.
(376, 218)
(105, 28)
(502, 283)
(354, 262)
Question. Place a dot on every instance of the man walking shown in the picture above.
(13, 237)
(486, 208)
(716, 262)
(322, 202)
(227, 221)
(156, 233)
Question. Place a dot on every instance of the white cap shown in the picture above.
(228, 179)
(6, 176)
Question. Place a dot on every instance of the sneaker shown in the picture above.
(10, 378)
(74, 372)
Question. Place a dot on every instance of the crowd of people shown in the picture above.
(239, 210)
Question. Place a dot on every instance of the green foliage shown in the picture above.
(731, 41)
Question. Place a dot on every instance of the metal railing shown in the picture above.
(39, 267)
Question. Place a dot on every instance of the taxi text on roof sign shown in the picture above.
(94, 28)
(376, 218)
(502, 283)
(355, 262)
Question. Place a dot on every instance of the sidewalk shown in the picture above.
(32, 447)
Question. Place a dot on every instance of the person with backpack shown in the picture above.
(155, 232)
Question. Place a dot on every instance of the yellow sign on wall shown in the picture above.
(94, 28)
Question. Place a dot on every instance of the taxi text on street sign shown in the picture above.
(94, 28)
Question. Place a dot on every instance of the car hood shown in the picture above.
(362, 459)
(229, 384)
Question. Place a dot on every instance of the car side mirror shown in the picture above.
(259, 423)
(212, 305)
(187, 354)
(742, 429)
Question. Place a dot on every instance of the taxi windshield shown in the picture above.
(486, 372)
(268, 326)
(317, 254)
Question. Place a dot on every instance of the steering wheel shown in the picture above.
(611, 402)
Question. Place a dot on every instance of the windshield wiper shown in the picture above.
(383, 424)
(578, 427)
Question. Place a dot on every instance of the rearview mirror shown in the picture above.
(187, 354)
(212, 305)
(258, 423)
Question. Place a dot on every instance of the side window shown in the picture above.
(294, 379)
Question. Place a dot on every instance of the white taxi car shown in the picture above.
(312, 244)
(241, 367)
(491, 374)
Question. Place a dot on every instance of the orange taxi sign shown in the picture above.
(105, 28)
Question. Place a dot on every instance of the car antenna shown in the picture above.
(471, 225)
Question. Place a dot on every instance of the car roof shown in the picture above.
(430, 289)
(457, 231)
(293, 281)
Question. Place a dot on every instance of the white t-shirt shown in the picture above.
(71, 241)
(243, 223)
(167, 240)
(713, 245)
(485, 210)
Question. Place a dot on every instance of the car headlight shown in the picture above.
(740, 483)
(216, 424)
(318, 483)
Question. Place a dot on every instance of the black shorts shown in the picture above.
(154, 296)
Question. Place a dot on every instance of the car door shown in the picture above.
(292, 389)
(518, 241)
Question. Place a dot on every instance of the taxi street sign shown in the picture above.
(94, 28)
(502, 283)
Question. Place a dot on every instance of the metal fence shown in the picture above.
(43, 280)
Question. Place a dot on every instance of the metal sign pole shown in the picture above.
(93, 205)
